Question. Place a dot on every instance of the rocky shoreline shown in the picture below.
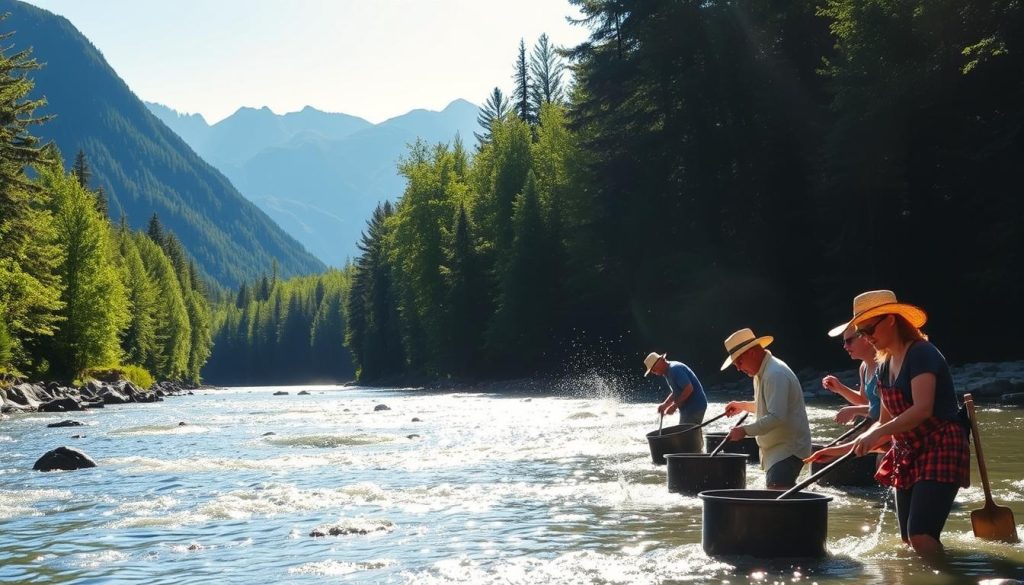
(53, 397)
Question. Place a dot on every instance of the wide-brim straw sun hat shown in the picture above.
(651, 359)
(880, 302)
(741, 341)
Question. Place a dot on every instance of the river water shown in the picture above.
(483, 488)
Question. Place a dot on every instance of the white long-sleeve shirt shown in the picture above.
(781, 428)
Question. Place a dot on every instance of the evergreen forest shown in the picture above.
(81, 297)
(714, 165)
(691, 169)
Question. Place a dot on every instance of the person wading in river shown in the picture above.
(929, 460)
(864, 401)
(685, 391)
(781, 429)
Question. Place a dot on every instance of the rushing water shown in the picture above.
(482, 489)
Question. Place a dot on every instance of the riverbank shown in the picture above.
(990, 383)
(53, 397)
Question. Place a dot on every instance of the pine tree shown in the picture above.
(523, 87)
(546, 69)
(138, 342)
(495, 108)
(170, 360)
(95, 301)
(29, 285)
(155, 230)
(81, 170)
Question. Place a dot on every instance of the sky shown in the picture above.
(370, 58)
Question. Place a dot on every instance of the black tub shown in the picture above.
(692, 473)
(754, 523)
(746, 445)
(674, 439)
(858, 472)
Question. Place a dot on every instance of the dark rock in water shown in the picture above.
(344, 530)
(416, 419)
(60, 405)
(65, 423)
(280, 393)
(381, 407)
(64, 458)
(269, 433)
(182, 424)
(195, 546)
(111, 395)
(77, 436)
(990, 391)
(412, 436)
(303, 393)
(1014, 399)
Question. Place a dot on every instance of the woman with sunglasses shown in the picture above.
(929, 459)
(864, 401)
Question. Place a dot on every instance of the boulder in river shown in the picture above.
(280, 393)
(64, 458)
(60, 405)
(65, 423)
(381, 407)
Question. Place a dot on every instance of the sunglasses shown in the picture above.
(870, 329)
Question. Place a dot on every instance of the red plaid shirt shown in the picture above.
(934, 450)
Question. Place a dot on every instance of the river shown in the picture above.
(481, 488)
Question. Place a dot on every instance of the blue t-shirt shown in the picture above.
(871, 391)
(677, 377)
(924, 358)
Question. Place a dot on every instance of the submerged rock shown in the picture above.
(280, 393)
(65, 423)
(363, 528)
(381, 407)
(63, 458)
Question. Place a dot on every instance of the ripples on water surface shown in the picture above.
(484, 489)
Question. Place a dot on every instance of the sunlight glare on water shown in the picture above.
(444, 487)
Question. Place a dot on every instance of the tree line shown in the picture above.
(79, 296)
(714, 165)
(275, 331)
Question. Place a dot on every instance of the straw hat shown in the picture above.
(741, 341)
(651, 359)
(880, 302)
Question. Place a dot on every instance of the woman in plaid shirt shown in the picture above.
(929, 459)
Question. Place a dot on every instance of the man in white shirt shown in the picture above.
(781, 429)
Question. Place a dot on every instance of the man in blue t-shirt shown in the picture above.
(685, 391)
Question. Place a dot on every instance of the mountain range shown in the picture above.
(144, 167)
(319, 175)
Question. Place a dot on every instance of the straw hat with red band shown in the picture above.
(652, 359)
(741, 341)
(881, 302)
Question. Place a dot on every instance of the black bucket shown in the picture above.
(692, 473)
(754, 523)
(746, 445)
(674, 439)
(860, 472)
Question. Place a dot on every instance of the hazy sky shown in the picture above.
(370, 58)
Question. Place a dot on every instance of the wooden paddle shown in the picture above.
(726, 438)
(660, 422)
(849, 433)
(991, 522)
(821, 473)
